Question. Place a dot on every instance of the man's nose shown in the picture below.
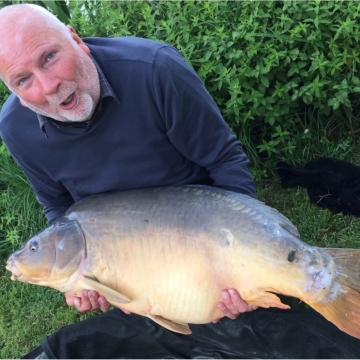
(49, 83)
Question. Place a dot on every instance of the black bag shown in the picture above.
(330, 183)
(264, 333)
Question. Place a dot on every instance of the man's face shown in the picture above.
(51, 73)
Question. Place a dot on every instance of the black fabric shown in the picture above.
(264, 333)
(330, 183)
(33, 353)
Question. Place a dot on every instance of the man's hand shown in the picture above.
(233, 305)
(89, 301)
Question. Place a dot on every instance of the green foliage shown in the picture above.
(4, 93)
(284, 73)
(59, 7)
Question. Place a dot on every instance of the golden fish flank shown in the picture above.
(166, 253)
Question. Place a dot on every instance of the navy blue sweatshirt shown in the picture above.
(161, 128)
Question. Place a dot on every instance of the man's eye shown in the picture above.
(22, 81)
(50, 56)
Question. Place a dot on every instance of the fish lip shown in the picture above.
(15, 271)
(9, 264)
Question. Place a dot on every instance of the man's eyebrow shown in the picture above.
(17, 76)
(23, 73)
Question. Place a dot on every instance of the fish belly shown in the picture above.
(162, 279)
(181, 279)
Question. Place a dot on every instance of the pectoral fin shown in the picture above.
(265, 299)
(111, 295)
(181, 328)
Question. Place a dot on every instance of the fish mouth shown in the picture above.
(15, 271)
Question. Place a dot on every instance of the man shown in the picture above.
(93, 115)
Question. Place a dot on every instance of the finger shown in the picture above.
(74, 301)
(104, 304)
(240, 305)
(77, 302)
(233, 302)
(83, 304)
(226, 311)
(93, 297)
(237, 304)
(70, 299)
(125, 311)
(87, 302)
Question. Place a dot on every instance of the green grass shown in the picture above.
(30, 313)
(20, 213)
(317, 226)
(27, 313)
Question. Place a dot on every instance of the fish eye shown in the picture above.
(33, 245)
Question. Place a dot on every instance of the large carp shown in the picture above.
(166, 253)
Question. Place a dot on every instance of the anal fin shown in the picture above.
(111, 295)
(178, 327)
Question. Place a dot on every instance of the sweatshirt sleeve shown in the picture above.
(195, 125)
(53, 196)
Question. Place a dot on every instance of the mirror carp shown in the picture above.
(167, 252)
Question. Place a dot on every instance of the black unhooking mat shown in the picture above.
(264, 333)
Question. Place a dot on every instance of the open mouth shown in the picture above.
(70, 102)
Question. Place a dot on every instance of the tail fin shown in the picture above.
(342, 305)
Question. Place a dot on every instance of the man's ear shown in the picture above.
(78, 39)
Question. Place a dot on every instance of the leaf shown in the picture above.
(265, 81)
(59, 9)
(335, 103)
(355, 80)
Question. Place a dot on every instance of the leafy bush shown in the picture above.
(4, 93)
(58, 7)
(284, 73)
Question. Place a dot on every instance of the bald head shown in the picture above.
(46, 64)
(15, 20)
